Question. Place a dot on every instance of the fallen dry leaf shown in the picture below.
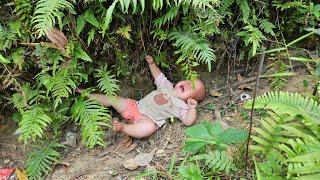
(215, 93)
(21, 174)
(58, 38)
(245, 86)
(130, 164)
(160, 153)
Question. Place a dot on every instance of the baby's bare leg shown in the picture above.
(117, 102)
(143, 128)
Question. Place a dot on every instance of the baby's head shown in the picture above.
(190, 89)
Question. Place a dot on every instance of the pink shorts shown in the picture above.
(131, 114)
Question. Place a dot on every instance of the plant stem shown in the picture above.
(254, 99)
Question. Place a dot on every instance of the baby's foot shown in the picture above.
(117, 126)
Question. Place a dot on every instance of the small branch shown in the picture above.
(253, 101)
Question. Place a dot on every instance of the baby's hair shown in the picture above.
(200, 96)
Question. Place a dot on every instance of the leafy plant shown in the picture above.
(92, 118)
(46, 12)
(288, 139)
(206, 133)
(107, 83)
(33, 123)
(41, 160)
(208, 143)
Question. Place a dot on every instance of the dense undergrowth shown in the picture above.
(49, 47)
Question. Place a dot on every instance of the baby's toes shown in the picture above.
(117, 127)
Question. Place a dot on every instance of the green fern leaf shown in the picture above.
(267, 27)
(60, 85)
(33, 123)
(92, 117)
(216, 161)
(197, 45)
(80, 24)
(46, 12)
(107, 83)
(168, 17)
(90, 18)
(108, 17)
(289, 103)
(244, 6)
(41, 160)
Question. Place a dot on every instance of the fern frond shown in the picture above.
(92, 117)
(168, 17)
(189, 42)
(19, 102)
(33, 123)
(217, 161)
(44, 17)
(107, 83)
(289, 103)
(60, 85)
(125, 5)
(42, 159)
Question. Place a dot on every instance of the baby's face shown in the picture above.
(186, 89)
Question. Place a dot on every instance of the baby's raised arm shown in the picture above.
(191, 115)
(155, 71)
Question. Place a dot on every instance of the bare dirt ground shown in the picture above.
(108, 163)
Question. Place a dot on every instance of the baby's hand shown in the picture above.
(192, 103)
(149, 59)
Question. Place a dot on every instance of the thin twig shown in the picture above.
(254, 99)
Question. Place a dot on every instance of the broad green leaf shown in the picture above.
(80, 24)
(232, 136)
(199, 131)
(90, 18)
(81, 54)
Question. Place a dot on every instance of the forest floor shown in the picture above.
(108, 163)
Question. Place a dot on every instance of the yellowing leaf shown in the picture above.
(125, 32)
(21, 174)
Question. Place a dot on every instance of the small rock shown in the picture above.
(160, 153)
(130, 164)
(143, 159)
(119, 178)
(71, 139)
(6, 161)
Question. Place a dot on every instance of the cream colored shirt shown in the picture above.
(161, 104)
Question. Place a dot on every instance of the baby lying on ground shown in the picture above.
(144, 117)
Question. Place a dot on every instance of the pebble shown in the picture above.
(143, 159)
(6, 161)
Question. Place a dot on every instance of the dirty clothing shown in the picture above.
(161, 103)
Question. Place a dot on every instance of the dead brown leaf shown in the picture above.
(215, 93)
(58, 38)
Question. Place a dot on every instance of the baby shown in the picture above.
(144, 117)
